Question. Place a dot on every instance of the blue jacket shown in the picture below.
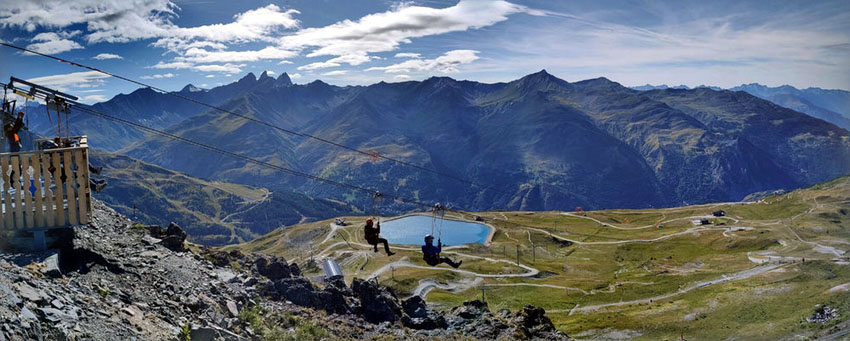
(431, 249)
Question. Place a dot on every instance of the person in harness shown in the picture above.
(373, 236)
(11, 130)
(431, 253)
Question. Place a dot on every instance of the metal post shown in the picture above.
(533, 254)
(39, 242)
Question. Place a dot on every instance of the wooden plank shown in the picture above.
(25, 187)
(84, 189)
(88, 192)
(16, 184)
(60, 197)
(70, 188)
(7, 212)
(39, 204)
(49, 197)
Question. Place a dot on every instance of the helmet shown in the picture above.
(428, 236)
(369, 220)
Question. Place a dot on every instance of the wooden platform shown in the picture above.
(43, 190)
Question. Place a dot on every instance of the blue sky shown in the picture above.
(172, 43)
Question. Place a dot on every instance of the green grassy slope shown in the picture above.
(213, 213)
(741, 277)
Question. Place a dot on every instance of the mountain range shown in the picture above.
(536, 143)
(829, 105)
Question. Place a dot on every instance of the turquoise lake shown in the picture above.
(412, 230)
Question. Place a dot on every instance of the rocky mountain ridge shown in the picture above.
(536, 143)
(832, 106)
(544, 142)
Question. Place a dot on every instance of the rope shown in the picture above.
(58, 134)
(27, 111)
(440, 231)
(67, 123)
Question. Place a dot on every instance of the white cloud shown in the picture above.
(402, 77)
(317, 65)
(282, 62)
(447, 63)
(295, 76)
(408, 55)
(352, 59)
(210, 76)
(123, 21)
(86, 79)
(335, 73)
(385, 31)
(54, 42)
(55, 46)
(198, 55)
(93, 99)
(158, 76)
(172, 65)
(348, 42)
(271, 73)
(253, 25)
(110, 21)
(226, 68)
(105, 56)
(180, 45)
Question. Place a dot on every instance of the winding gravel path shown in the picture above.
(725, 278)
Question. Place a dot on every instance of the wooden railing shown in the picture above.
(45, 189)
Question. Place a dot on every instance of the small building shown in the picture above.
(704, 221)
(719, 213)
(339, 221)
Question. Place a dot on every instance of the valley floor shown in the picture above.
(756, 273)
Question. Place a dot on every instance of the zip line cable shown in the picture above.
(292, 171)
(246, 117)
(281, 168)
(242, 157)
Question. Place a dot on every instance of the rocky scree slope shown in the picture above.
(114, 280)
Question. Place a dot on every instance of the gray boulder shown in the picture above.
(471, 310)
(378, 303)
(172, 237)
(298, 291)
(417, 315)
(273, 268)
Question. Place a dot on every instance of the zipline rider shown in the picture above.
(11, 130)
